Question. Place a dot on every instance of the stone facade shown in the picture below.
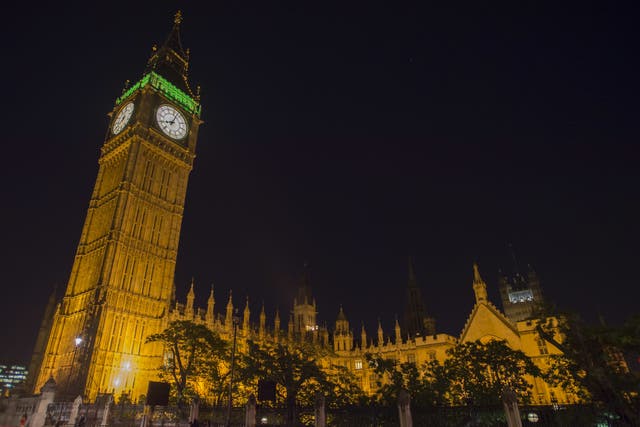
(121, 283)
(121, 288)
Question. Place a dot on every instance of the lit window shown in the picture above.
(542, 345)
(358, 364)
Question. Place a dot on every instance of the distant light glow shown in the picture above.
(78, 341)
(264, 420)
(520, 296)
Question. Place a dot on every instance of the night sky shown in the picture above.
(349, 137)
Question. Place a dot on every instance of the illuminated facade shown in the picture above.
(121, 288)
(485, 322)
(121, 283)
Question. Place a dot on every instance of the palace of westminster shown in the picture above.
(121, 288)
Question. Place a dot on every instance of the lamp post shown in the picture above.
(235, 320)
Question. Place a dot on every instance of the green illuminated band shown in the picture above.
(167, 88)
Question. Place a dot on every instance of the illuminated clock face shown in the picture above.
(171, 122)
(123, 117)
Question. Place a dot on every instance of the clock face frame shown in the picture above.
(171, 121)
(122, 119)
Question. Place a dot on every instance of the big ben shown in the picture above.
(121, 282)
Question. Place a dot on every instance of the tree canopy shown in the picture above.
(290, 365)
(192, 353)
(473, 373)
(592, 363)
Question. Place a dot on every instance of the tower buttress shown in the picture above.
(41, 339)
(398, 333)
(380, 334)
(363, 338)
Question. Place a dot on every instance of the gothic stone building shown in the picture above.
(121, 287)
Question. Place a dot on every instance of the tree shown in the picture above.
(293, 366)
(427, 384)
(190, 351)
(473, 372)
(479, 373)
(592, 362)
(340, 387)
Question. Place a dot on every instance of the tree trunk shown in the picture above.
(291, 408)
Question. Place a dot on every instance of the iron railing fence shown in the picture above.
(130, 415)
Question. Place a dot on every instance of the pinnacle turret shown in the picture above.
(263, 322)
(191, 296)
(479, 286)
(210, 306)
(228, 320)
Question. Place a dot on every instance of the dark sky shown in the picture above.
(346, 136)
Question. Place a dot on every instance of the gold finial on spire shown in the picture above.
(177, 18)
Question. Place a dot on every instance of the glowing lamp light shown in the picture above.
(78, 341)
(532, 417)
(264, 420)
(116, 382)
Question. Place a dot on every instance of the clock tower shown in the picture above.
(121, 282)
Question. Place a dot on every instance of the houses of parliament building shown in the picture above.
(121, 287)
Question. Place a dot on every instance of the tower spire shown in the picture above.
(170, 60)
(479, 286)
(416, 322)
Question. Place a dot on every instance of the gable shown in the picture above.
(487, 323)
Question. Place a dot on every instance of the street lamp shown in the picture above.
(236, 321)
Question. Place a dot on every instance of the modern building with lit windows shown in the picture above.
(11, 376)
